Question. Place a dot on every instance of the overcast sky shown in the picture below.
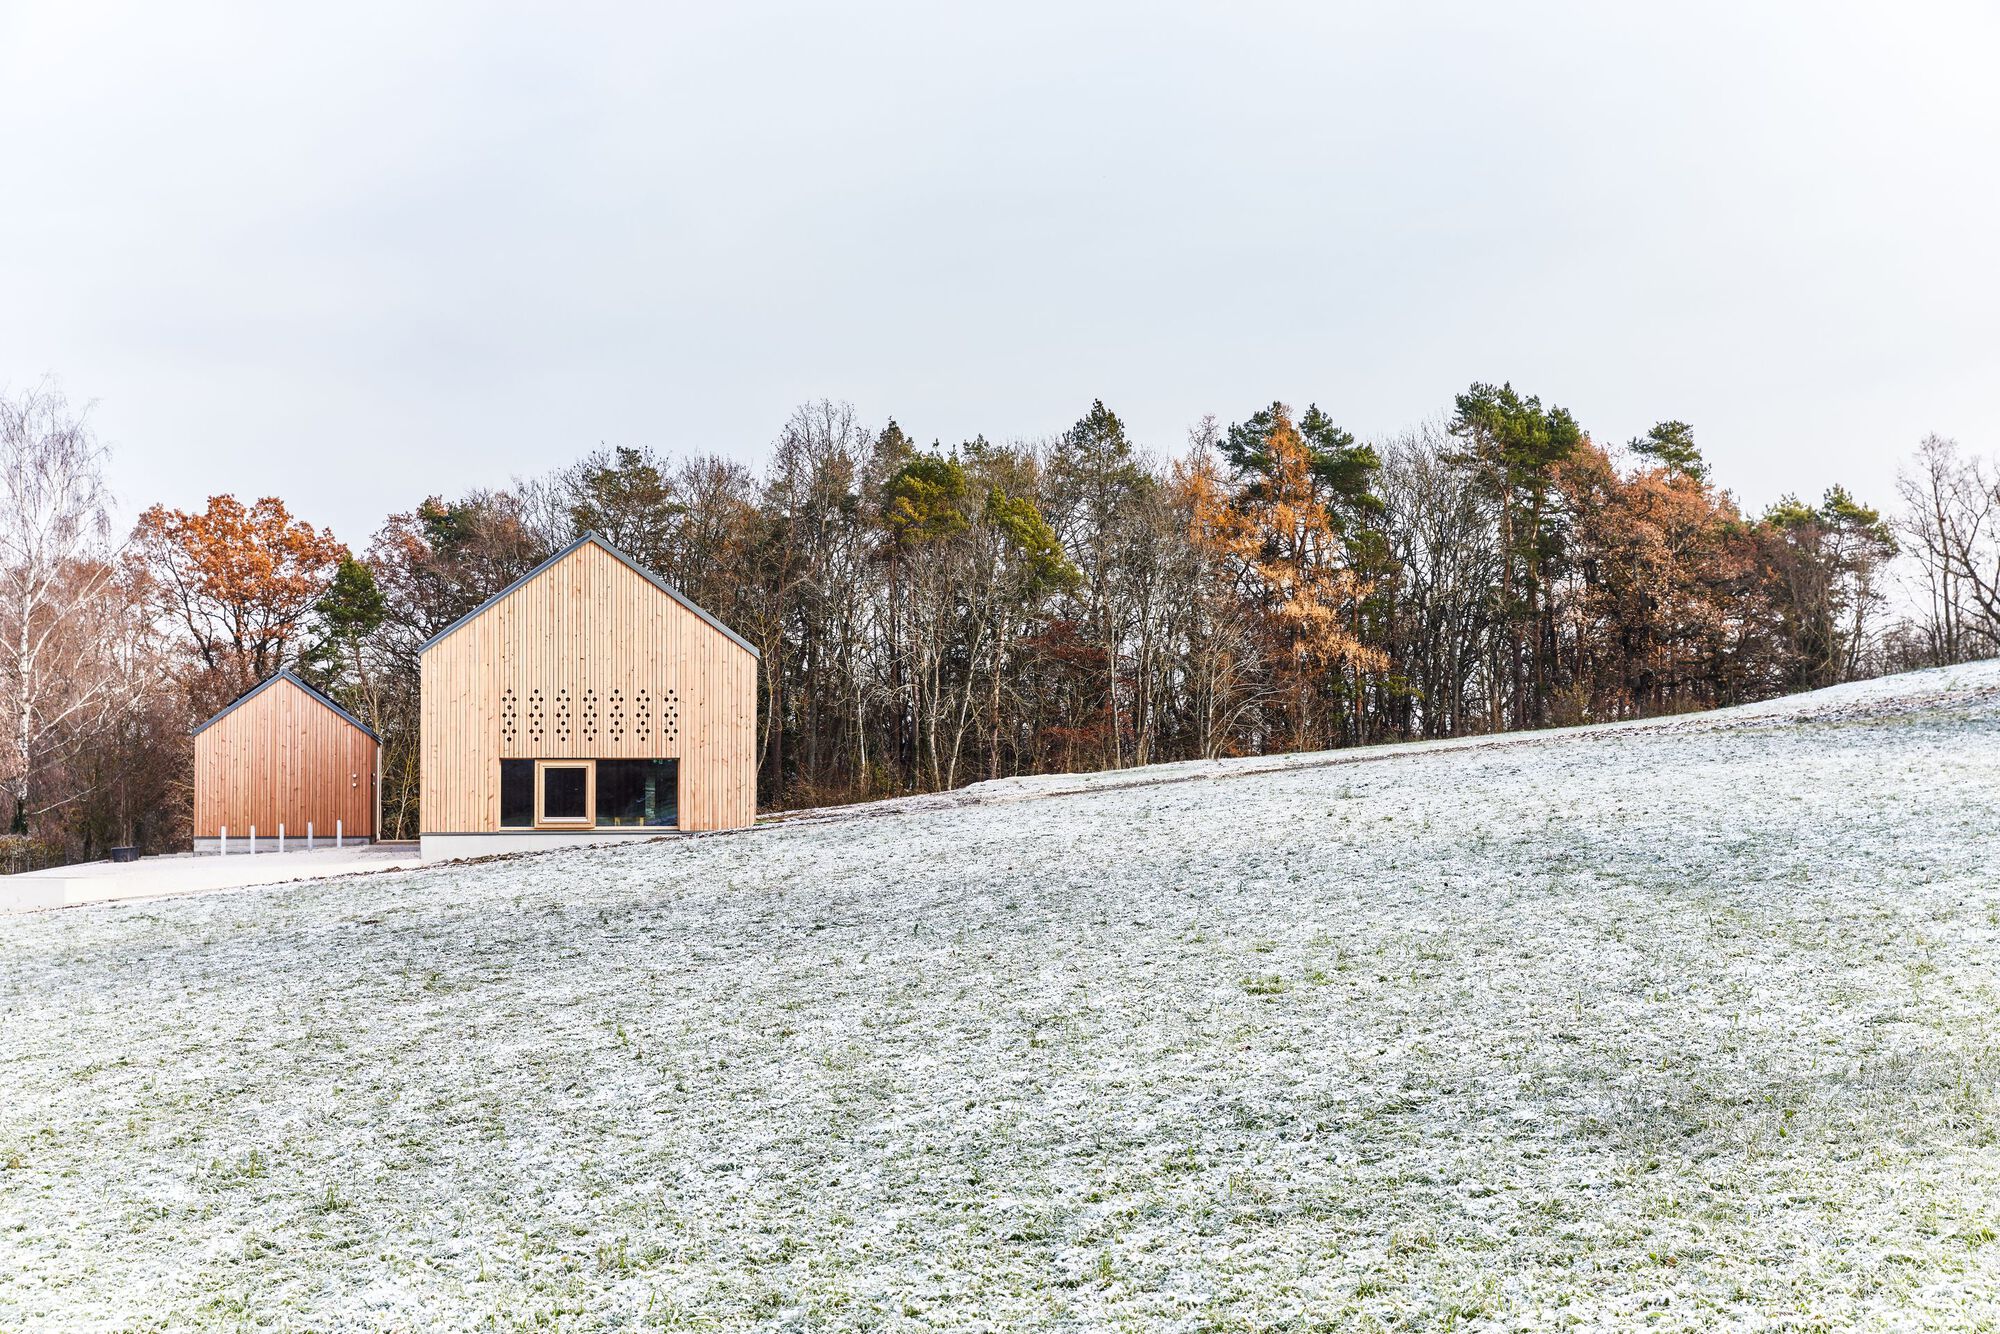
(352, 255)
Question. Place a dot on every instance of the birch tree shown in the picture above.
(71, 632)
(1951, 529)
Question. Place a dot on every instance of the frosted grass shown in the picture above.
(1667, 1026)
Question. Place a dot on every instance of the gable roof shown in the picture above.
(287, 675)
(603, 544)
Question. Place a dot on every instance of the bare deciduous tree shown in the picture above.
(1951, 527)
(73, 634)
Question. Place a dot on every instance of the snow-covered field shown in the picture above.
(1663, 1026)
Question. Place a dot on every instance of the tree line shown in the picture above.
(932, 615)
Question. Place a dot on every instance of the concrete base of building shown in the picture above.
(269, 843)
(449, 847)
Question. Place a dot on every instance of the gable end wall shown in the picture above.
(283, 757)
(592, 633)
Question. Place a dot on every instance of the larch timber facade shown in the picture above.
(284, 757)
(589, 701)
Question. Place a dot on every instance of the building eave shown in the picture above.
(605, 545)
(286, 675)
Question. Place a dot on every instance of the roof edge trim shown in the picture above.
(286, 674)
(609, 549)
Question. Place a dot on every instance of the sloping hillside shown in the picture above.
(1667, 1024)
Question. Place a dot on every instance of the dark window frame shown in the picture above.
(517, 780)
(664, 770)
(532, 813)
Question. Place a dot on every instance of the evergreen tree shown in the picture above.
(344, 619)
(1671, 445)
(1516, 446)
(624, 495)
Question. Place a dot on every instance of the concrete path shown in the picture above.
(191, 873)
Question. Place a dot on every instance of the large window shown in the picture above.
(582, 794)
(638, 792)
(517, 794)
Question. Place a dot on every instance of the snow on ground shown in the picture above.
(1665, 1026)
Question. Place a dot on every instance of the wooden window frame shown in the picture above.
(589, 819)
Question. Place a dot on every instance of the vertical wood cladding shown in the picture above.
(281, 756)
(588, 659)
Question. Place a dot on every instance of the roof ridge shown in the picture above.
(286, 674)
(611, 549)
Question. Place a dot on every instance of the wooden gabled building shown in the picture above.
(588, 701)
(283, 755)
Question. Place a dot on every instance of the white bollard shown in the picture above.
(309, 836)
(222, 843)
(253, 840)
(336, 833)
(281, 835)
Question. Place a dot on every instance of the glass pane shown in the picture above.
(517, 794)
(563, 794)
(638, 792)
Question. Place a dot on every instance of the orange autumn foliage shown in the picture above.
(1274, 536)
(241, 579)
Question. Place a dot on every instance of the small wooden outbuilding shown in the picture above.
(589, 700)
(283, 754)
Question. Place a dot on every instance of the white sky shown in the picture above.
(351, 255)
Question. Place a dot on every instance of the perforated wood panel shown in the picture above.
(588, 660)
